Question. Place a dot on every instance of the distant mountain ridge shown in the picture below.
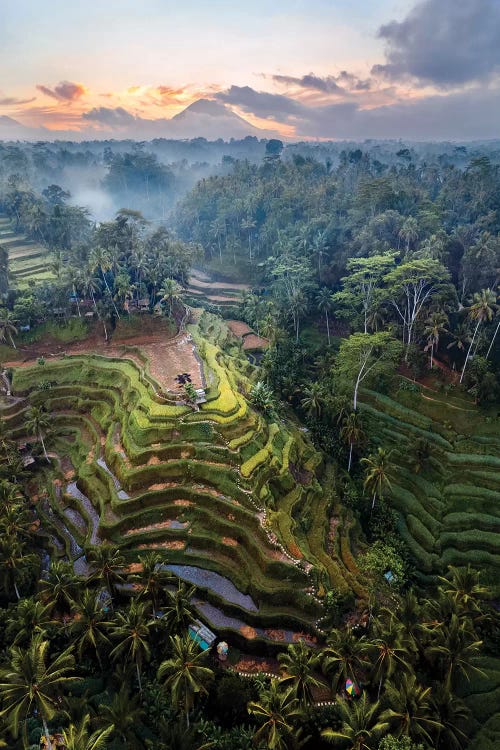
(203, 118)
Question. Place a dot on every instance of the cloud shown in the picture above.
(114, 118)
(438, 117)
(261, 103)
(444, 42)
(10, 101)
(341, 84)
(327, 85)
(65, 91)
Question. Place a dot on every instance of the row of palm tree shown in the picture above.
(65, 620)
(434, 639)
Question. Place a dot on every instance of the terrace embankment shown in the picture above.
(446, 500)
(205, 486)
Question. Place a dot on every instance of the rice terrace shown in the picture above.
(250, 376)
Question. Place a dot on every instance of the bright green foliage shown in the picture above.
(362, 359)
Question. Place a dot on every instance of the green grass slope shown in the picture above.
(449, 511)
(28, 260)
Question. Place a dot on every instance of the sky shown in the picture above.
(297, 69)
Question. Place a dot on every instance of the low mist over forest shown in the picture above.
(152, 176)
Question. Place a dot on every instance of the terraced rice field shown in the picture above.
(28, 261)
(203, 290)
(449, 512)
(147, 471)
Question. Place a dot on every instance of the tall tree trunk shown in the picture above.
(350, 458)
(12, 341)
(110, 295)
(77, 302)
(46, 731)
(327, 327)
(138, 676)
(432, 352)
(17, 591)
(469, 349)
(43, 446)
(379, 687)
(493, 340)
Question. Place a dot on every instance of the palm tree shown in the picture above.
(89, 626)
(269, 328)
(361, 725)
(89, 285)
(461, 339)
(391, 651)
(248, 225)
(482, 309)
(170, 292)
(318, 248)
(28, 683)
(184, 673)
(60, 587)
(298, 666)
(435, 325)
(38, 423)
(124, 289)
(276, 711)
(352, 433)
(453, 714)
(78, 737)
(152, 577)
(32, 618)
(463, 585)
(99, 260)
(140, 263)
(410, 713)
(178, 610)
(455, 649)
(409, 232)
(7, 327)
(378, 473)
(324, 302)
(344, 656)
(217, 230)
(15, 518)
(314, 399)
(409, 614)
(16, 564)
(132, 631)
(123, 717)
(108, 564)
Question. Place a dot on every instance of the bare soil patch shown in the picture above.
(239, 328)
(252, 341)
(169, 354)
(152, 527)
(174, 545)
